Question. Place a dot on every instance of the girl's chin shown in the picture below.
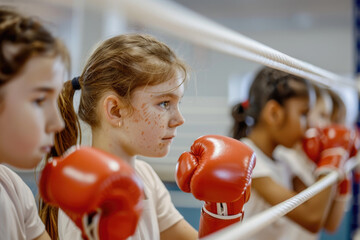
(27, 164)
(161, 155)
(158, 154)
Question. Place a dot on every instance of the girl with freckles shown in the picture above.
(130, 88)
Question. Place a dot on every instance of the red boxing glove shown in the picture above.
(343, 192)
(344, 187)
(356, 145)
(98, 191)
(217, 170)
(329, 147)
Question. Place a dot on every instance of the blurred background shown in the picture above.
(321, 32)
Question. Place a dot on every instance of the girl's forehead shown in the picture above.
(299, 103)
(41, 71)
(174, 86)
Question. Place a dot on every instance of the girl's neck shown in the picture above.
(263, 141)
(103, 141)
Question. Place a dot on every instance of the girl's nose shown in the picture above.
(56, 122)
(177, 120)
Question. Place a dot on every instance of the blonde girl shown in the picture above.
(131, 88)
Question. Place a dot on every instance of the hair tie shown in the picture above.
(245, 104)
(75, 83)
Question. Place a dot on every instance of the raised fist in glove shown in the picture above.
(329, 147)
(217, 170)
(100, 192)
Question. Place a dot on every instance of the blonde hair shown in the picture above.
(120, 64)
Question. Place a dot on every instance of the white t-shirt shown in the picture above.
(303, 168)
(283, 228)
(300, 165)
(158, 215)
(19, 217)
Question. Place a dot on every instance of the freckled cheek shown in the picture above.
(156, 121)
(146, 140)
(146, 135)
(161, 145)
(144, 110)
(137, 116)
(159, 121)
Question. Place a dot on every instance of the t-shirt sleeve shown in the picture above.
(34, 227)
(167, 214)
(67, 228)
(261, 169)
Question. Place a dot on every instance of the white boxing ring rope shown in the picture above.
(245, 229)
(183, 23)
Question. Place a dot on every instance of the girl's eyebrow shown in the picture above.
(43, 89)
(171, 95)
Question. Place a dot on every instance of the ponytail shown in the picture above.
(242, 120)
(71, 133)
(63, 141)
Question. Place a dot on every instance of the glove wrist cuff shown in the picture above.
(90, 225)
(324, 170)
(224, 217)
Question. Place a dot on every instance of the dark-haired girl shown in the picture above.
(276, 114)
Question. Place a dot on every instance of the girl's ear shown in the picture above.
(113, 108)
(274, 113)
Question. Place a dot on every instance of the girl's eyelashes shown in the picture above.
(305, 112)
(165, 104)
(39, 101)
